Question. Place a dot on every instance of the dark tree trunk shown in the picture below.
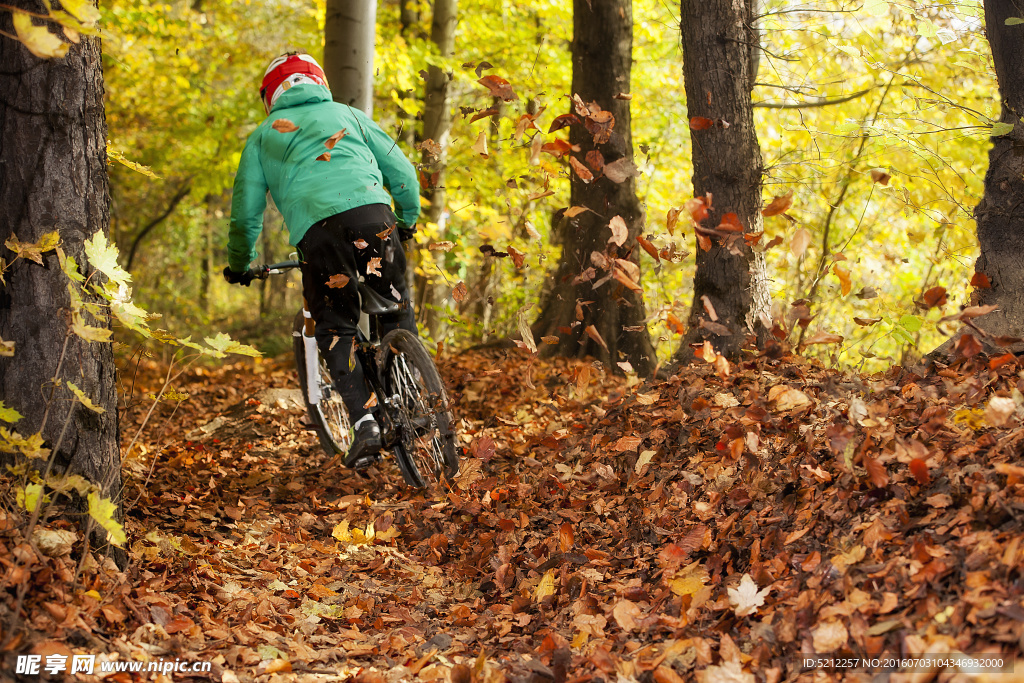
(53, 175)
(349, 29)
(601, 58)
(437, 123)
(719, 66)
(999, 214)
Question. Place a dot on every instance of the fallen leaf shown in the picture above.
(829, 636)
(746, 598)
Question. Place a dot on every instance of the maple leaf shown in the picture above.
(746, 598)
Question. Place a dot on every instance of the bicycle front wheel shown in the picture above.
(426, 451)
(326, 409)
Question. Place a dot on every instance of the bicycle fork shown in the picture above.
(312, 359)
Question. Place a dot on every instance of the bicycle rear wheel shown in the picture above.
(328, 413)
(426, 451)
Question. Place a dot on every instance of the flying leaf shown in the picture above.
(867, 322)
(337, 281)
(823, 338)
(844, 278)
(373, 267)
(746, 598)
(936, 296)
(595, 160)
(648, 247)
(483, 114)
(619, 230)
(361, 244)
(562, 121)
(333, 140)
(671, 219)
(596, 336)
(801, 240)
(574, 211)
(980, 281)
(550, 340)
(621, 170)
(38, 39)
(326, 156)
(441, 246)
(701, 123)
(876, 471)
(102, 510)
(499, 87)
(535, 148)
(460, 292)
(284, 126)
(581, 171)
(115, 156)
(779, 204)
(518, 257)
(480, 146)
(880, 176)
(919, 468)
(523, 323)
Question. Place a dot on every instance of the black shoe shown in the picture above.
(365, 446)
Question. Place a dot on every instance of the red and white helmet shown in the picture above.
(286, 71)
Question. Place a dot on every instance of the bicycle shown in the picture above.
(412, 407)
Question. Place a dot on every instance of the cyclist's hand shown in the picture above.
(406, 232)
(236, 278)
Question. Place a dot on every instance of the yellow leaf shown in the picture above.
(9, 414)
(341, 532)
(84, 400)
(102, 255)
(88, 332)
(103, 511)
(546, 586)
(31, 496)
(38, 39)
(6, 348)
(688, 580)
(844, 278)
(115, 156)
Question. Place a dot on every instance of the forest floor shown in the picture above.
(779, 522)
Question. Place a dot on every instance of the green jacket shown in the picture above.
(364, 166)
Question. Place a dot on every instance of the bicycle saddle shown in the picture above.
(375, 304)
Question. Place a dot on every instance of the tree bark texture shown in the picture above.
(602, 57)
(1000, 213)
(437, 124)
(53, 176)
(349, 30)
(719, 56)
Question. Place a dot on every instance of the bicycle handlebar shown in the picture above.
(265, 271)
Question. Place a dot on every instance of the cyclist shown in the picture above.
(329, 169)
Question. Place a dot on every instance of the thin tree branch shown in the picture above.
(182, 192)
(824, 102)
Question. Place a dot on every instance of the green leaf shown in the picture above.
(103, 511)
(102, 256)
(911, 323)
(1014, 21)
(84, 400)
(131, 316)
(1000, 128)
(9, 414)
(223, 344)
(876, 8)
(69, 266)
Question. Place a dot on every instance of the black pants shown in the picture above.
(348, 244)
